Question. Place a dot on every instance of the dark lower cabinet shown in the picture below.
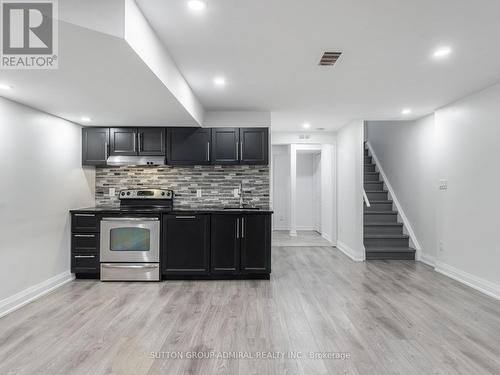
(85, 228)
(186, 245)
(241, 244)
(95, 146)
(225, 244)
(256, 244)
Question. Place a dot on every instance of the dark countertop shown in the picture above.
(161, 210)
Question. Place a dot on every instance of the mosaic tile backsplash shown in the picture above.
(216, 183)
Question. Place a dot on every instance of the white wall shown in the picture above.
(305, 189)
(41, 178)
(350, 190)
(468, 136)
(406, 152)
(281, 187)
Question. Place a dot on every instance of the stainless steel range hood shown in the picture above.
(115, 161)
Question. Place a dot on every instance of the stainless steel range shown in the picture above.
(130, 240)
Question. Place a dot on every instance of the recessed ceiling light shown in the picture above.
(219, 81)
(4, 86)
(197, 5)
(306, 125)
(406, 111)
(442, 52)
(85, 119)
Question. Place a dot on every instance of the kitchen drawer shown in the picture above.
(85, 242)
(84, 263)
(85, 222)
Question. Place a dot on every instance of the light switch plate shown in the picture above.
(112, 192)
(198, 193)
(236, 193)
(443, 184)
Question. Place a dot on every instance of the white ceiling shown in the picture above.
(269, 50)
(101, 77)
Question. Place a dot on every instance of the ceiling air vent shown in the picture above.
(329, 58)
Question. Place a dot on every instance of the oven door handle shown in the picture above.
(130, 219)
(129, 266)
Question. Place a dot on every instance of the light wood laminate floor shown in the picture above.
(396, 317)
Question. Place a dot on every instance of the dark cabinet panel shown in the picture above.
(84, 222)
(186, 244)
(256, 244)
(151, 141)
(85, 263)
(85, 242)
(225, 249)
(225, 146)
(123, 141)
(254, 146)
(188, 146)
(95, 146)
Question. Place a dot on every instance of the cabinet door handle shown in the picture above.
(242, 227)
(85, 215)
(85, 235)
(140, 141)
(105, 151)
(237, 151)
(208, 151)
(185, 217)
(237, 227)
(84, 256)
(241, 150)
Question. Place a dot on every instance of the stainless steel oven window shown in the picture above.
(129, 239)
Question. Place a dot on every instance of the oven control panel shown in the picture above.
(146, 194)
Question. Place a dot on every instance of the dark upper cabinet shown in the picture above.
(188, 146)
(151, 141)
(225, 249)
(256, 244)
(225, 145)
(186, 244)
(95, 146)
(254, 146)
(123, 141)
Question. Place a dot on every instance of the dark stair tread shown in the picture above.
(389, 250)
(381, 201)
(376, 191)
(383, 223)
(380, 212)
(388, 236)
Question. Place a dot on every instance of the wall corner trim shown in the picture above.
(427, 259)
(18, 300)
(401, 212)
(481, 285)
(350, 252)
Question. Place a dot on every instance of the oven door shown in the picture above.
(130, 240)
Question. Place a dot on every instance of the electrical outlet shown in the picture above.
(443, 184)
(198, 193)
(112, 192)
(441, 246)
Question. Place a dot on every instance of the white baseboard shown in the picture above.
(350, 252)
(427, 259)
(26, 296)
(482, 285)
